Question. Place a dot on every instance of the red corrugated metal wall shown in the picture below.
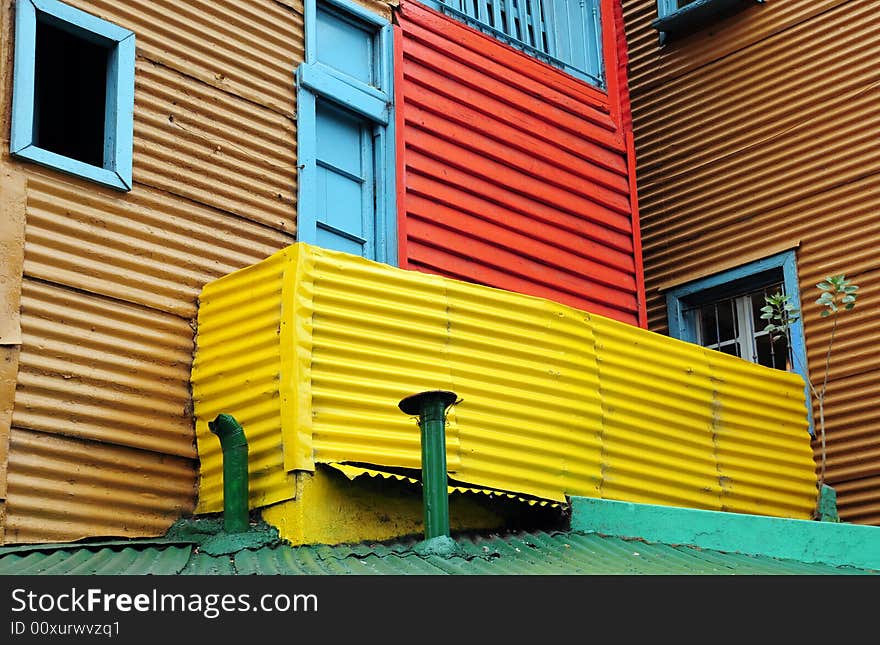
(514, 174)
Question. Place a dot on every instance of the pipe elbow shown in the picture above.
(229, 431)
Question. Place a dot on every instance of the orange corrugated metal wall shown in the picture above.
(515, 175)
(760, 133)
(101, 416)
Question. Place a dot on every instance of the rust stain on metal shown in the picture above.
(63, 489)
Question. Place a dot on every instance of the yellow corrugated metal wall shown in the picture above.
(312, 350)
(759, 133)
(101, 416)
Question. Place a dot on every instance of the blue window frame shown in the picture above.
(722, 312)
(73, 92)
(345, 132)
(683, 16)
(563, 33)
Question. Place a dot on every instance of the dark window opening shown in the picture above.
(70, 87)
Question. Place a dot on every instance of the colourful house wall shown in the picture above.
(514, 174)
(755, 135)
(312, 349)
(101, 285)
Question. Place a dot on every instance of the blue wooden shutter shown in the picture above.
(345, 132)
(346, 208)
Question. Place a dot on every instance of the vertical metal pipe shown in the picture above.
(431, 408)
(235, 472)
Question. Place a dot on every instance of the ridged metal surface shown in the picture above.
(724, 432)
(112, 279)
(515, 174)
(211, 147)
(353, 472)
(553, 399)
(759, 136)
(238, 370)
(130, 561)
(149, 249)
(527, 553)
(652, 66)
(63, 489)
(857, 500)
(214, 42)
(104, 371)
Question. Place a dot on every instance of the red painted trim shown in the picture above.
(622, 53)
(636, 231)
(609, 54)
(400, 155)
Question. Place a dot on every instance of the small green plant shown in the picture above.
(838, 295)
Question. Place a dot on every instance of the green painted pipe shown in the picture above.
(431, 408)
(235, 472)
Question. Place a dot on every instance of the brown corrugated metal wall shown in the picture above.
(101, 439)
(756, 134)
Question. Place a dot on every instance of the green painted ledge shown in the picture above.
(836, 544)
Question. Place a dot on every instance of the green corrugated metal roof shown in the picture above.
(523, 553)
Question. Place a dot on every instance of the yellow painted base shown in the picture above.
(331, 509)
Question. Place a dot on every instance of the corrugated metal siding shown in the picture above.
(128, 561)
(208, 146)
(525, 553)
(553, 398)
(763, 135)
(214, 42)
(63, 489)
(147, 248)
(111, 279)
(857, 500)
(515, 174)
(103, 371)
(238, 332)
(723, 432)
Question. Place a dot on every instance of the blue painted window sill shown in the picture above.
(696, 15)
